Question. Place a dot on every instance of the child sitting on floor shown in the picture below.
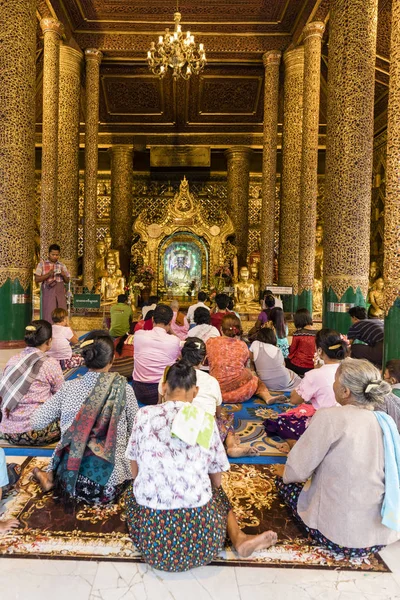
(6, 524)
(63, 339)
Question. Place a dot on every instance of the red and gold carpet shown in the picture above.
(48, 530)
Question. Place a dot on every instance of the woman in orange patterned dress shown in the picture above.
(228, 356)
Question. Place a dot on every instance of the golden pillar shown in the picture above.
(238, 170)
(17, 151)
(312, 37)
(93, 59)
(271, 62)
(291, 169)
(68, 156)
(121, 203)
(391, 262)
(349, 152)
(52, 32)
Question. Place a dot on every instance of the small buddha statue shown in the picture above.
(112, 255)
(317, 297)
(255, 279)
(374, 273)
(319, 253)
(244, 292)
(376, 298)
(100, 269)
(112, 285)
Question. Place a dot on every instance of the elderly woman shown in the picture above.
(352, 503)
(29, 381)
(177, 512)
(96, 414)
(228, 356)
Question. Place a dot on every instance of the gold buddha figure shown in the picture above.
(319, 252)
(244, 292)
(100, 269)
(111, 254)
(113, 284)
(376, 298)
(255, 279)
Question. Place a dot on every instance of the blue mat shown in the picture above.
(248, 423)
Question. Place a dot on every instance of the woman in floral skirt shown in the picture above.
(177, 512)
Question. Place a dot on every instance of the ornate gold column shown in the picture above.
(17, 152)
(271, 62)
(68, 156)
(349, 148)
(391, 263)
(291, 170)
(121, 203)
(93, 59)
(52, 32)
(312, 37)
(238, 170)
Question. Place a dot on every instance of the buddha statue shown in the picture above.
(374, 273)
(319, 252)
(100, 269)
(376, 298)
(111, 254)
(112, 285)
(244, 292)
(255, 279)
(180, 275)
(317, 298)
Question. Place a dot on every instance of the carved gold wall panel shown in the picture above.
(121, 202)
(291, 168)
(312, 38)
(93, 58)
(68, 156)
(52, 31)
(352, 41)
(391, 266)
(271, 62)
(17, 139)
(238, 174)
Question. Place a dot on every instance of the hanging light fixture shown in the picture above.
(177, 51)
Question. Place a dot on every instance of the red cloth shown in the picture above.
(302, 350)
(216, 319)
(148, 325)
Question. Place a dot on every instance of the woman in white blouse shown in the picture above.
(177, 511)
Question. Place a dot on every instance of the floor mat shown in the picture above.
(248, 423)
(50, 531)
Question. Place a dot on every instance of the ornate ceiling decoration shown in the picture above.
(224, 104)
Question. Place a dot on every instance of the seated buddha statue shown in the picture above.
(244, 292)
(113, 284)
(180, 275)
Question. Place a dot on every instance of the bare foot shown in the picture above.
(277, 400)
(238, 451)
(44, 479)
(8, 524)
(247, 544)
(283, 447)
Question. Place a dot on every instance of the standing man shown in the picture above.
(52, 274)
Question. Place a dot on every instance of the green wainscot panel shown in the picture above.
(335, 310)
(16, 310)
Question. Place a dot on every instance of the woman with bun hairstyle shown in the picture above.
(315, 391)
(209, 397)
(351, 453)
(96, 414)
(317, 385)
(177, 512)
(29, 380)
(228, 356)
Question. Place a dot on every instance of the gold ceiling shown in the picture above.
(224, 105)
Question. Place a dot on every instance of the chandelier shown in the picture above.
(177, 51)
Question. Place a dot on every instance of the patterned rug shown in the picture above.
(248, 423)
(49, 531)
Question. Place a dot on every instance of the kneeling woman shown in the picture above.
(177, 511)
(351, 454)
(96, 416)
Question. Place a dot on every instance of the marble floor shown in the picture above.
(38, 579)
